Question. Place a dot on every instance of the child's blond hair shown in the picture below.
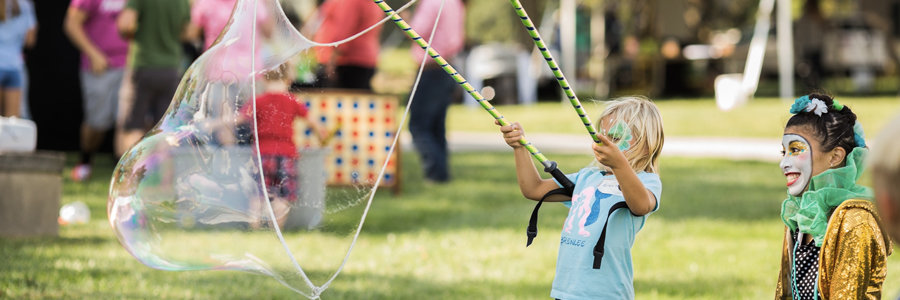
(884, 160)
(645, 124)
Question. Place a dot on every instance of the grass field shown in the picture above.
(716, 236)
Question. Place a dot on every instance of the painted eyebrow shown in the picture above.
(796, 145)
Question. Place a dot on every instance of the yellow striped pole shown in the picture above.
(456, 76)
(570, 93)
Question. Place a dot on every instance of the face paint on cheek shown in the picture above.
(621, 135)
(797, 163)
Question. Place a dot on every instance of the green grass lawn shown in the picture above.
(760, 118)
(716, 236)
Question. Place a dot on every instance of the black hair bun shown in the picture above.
(832, 129)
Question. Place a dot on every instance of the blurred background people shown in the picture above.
(350, 65)
(428, 111)
(885, 166)
(18, 29)
(91, 26)
(208, 19)
(810, 29)
(275, 112)
(156, 29)
(229, 64)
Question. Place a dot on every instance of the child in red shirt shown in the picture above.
(276, 110)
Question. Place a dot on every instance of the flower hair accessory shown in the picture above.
(806, 104)
(836, 105)
(858, 135)
(799, 104)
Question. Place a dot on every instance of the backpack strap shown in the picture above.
(567, 190)
(532, 223)
(598, 249)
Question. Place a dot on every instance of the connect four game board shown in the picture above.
(363, 125)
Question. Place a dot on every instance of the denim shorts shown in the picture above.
(10, 79)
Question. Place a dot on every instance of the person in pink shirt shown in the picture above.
(209, 17)
(228, 63)
(350, 65)
(428, 111)
(91, 26)
(232, 61)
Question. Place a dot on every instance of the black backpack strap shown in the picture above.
(598, 249)
(532, 223)
(567, 190)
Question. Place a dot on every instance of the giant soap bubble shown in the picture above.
(193, 193)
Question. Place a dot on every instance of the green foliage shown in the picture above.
(493, 21)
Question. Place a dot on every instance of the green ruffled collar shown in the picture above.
(809, 213)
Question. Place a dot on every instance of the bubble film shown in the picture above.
(199, 191)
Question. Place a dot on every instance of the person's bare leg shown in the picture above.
(91, 139)
(130, 138)
(256, 213)
(12, 98)
(90, 143)
(281, 207)
(119, 146)
(126, 99)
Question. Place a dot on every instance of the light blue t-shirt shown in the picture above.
(12, 35)
(594, 194)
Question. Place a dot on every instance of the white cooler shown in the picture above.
(17, 135)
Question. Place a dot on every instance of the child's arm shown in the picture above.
(126, 23)
(530, 182)
(75, 19)
(639, 199)
(320, 131)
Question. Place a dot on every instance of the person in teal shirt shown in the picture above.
(622, 175)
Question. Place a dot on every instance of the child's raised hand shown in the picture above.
(323, 134)
(512, 133)
(609, 154)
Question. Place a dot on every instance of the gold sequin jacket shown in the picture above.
(853, 256)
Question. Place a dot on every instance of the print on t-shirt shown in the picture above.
(113, 6)
(586, 205)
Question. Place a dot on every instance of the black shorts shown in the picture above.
(154, 89)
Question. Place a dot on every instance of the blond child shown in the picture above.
(623, 174)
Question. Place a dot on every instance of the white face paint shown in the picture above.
(796, 163)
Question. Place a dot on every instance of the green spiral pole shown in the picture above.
(457, 77)
(570, 93)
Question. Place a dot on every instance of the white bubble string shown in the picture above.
(317, 290)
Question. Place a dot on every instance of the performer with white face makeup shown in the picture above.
(797, 163)
(834, 247)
